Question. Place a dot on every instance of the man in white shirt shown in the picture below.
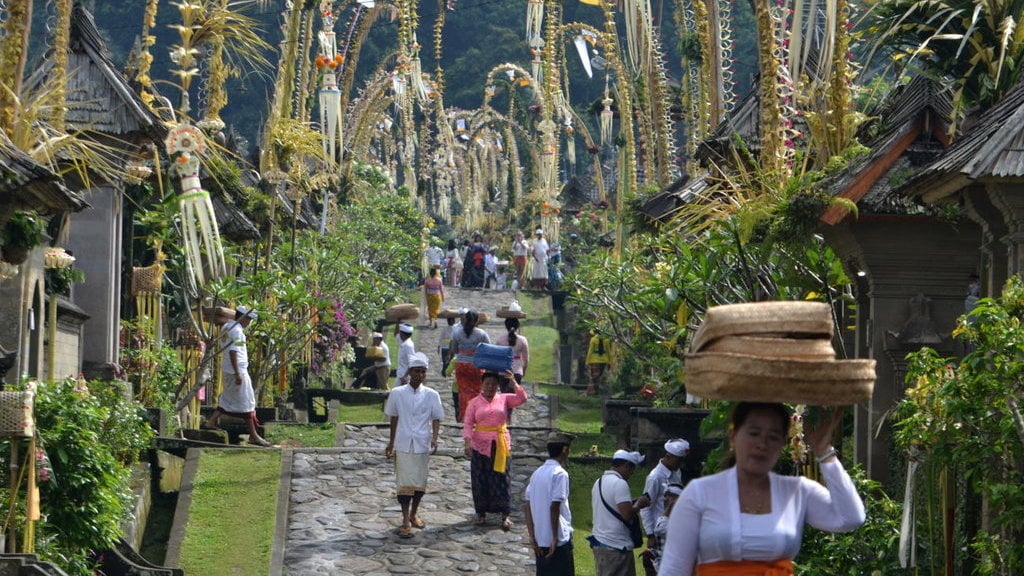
(237, 398)
(613, 509)
(546, 507)
(539, 251)
(406, 348)
(665, 473)
(416, 412)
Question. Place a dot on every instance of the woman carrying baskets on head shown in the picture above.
(768, 509)
(489, 445)
(465, 338)
(747, 520)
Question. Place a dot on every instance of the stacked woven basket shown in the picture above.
(774, 352)
(400, 312)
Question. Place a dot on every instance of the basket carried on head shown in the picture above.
(400, 312)
(218, 315)
(448, 313)
(511, 311)
(774, 352)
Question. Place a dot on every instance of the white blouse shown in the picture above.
(706, 524)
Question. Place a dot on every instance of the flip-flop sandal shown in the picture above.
(506, 524)
(405, 532)
(479, 521)
(418, 523)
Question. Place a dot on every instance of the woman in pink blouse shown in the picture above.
(489, 447)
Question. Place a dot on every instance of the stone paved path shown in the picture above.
(342, 512)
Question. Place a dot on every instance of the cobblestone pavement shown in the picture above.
(343, 515)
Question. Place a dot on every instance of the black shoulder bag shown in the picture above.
(635, 531)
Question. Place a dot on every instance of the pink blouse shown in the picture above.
(491, 414)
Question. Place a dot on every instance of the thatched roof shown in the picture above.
(27, 185)
(100, 98)
(906, 131)
(992, 148)
(662, 205)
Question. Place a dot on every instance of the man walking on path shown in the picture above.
(237, 398)
(665, 473)
(613, 509)
(406, 348)
(546, 508)
(416, 412)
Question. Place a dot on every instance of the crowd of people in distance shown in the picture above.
(476, 264)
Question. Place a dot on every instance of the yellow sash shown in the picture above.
(746, 568)
(502, 447)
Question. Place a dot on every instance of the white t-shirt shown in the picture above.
(233, 340)
(406, 348)
(706, 524)
(608, 529)
(434, 256)
(415, 408)
(548, 484)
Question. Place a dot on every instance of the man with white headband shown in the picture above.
(237, 397)
(416, 412)
(665, 473)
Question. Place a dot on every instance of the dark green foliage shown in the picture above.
(93, 435)
(868, 551)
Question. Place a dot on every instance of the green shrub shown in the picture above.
(92, 435)
(867, 551)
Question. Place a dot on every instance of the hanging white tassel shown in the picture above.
(908, 530)
(584, 51)
(534, 23)
(606, 115)
(198, 223)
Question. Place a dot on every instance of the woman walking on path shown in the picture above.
(454, 263)
(465, 338)
(433, 290)
(489, 446)
(520, 352)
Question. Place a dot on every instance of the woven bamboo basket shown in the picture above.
(448, 313)
(789, 318)
(504, 312)
(774, 347)
(218, 315)
(16, 414)
(724, 376)
(400, 312)
(147, 279)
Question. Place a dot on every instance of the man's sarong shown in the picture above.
(411, 472)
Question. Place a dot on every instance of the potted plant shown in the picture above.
(23, 232)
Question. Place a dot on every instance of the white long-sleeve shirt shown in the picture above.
(706, 524)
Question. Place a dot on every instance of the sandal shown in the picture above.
(205, 426)
(260, 442)
(405, 532)
(506, 524)
(479, 521)
(418, 523)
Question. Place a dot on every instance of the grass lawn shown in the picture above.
(301, 435)
(361, 413)
(233, 512)
(542, 341)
